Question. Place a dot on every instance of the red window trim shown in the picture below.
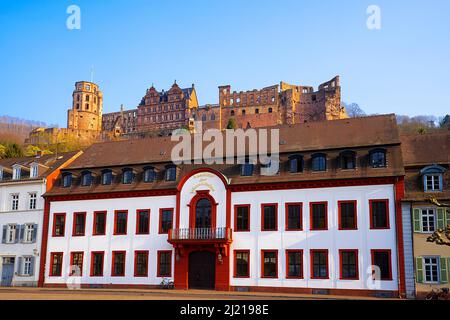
(263, 205)
(311, 216)
(389, 252)
(388, 226)
(92, 263)
(235, 252)
(52, 254)
(116, 212)
(286, 213)
(262, 263)
(95, 224)
(236, 207)
(135, 262)
(71, 261)
(62, 214)
(287, 263)
(355, 218)
(137, 221)
(311, 256)
(160, 219)
(158, 271)
(124, 263)
(75, 214)
(356, 261)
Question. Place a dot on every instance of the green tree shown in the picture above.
(2, 151)
(13, 150)
(231, 124)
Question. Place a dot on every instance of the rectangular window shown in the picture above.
(143, 222)
(79, 224)
(319, 264)
(99, 223)
(294, 217)
(319, 215)
(431, 268)
(165, 220)
(27, 266)
(141, 263)
(269, 217)
(120, 222)
(294, 264)
(118, 263)
(379, 214)
(14, 202)
(76, 264)
(12, 233)
(382, 260)
(432, 183)
(32, 201)
(164, 264)
(269, 263)
(428, 220)
(59, 224)
(348, 260)
(97, 263)
(241, 263)
(56, 259)
(347, 215)
(242, 217)
(29, 235)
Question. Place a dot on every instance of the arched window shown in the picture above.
(270, 110)
(433, 177)
(149, 174)
(106, 177)
(86, 178)
(213, 117)
(378, 158)
(127, 176)
(319, 162)
(204, 117)
(171, 173)
(347, 160)
(243, 112)
(296, 163)
(67, 179)
(203, 211)
(256, 111)
(232, 113)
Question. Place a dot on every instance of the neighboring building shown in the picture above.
(22, 183)
(123, 214)
(427, 163)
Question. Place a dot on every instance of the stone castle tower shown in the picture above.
(87, 107)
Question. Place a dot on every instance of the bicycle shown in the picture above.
(166, 284)
(442, 294)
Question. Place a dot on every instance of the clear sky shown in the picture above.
(404, 67)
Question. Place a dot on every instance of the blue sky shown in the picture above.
(402, 68)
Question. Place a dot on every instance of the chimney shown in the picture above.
(38, 154)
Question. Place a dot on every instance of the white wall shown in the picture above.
(20, 217)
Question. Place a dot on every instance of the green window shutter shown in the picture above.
(448, 268)
(417, 220)
(447, 216)
(419, 270)
(440, 218)
(444, 275)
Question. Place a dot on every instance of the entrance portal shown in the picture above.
(202, 271)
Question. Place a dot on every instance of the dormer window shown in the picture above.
(1, 173)
(295, 163)
(347, 160)
(67, 179)
(127, 176)
(86, 178)
(433, 178)
(171, 173)
(106, 177)
(149, 174)
(247, 168)
(16, 172)
(319, 162)
(34, 170)
(378, 158)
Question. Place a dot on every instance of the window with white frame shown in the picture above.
(27, 266)
(433, 182)
(16, 173)
(1, 173)
(32, 201)
(11, 230)
(29, 233)
(431, 267)
(34, 171)
(428, 220)
(14, 202)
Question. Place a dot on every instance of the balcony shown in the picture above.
(200, 235)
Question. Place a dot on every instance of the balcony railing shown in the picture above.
(200, 234)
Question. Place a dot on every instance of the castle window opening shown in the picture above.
(270, 110)
(256, 111)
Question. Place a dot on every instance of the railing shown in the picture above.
(200, 234)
